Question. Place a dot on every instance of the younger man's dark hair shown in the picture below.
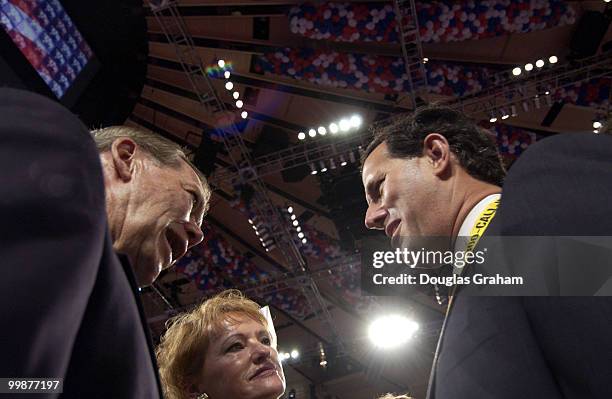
(473, 146)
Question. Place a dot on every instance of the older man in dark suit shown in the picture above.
(78, 239)
(433, 174)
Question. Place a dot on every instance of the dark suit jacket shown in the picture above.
(538, 347)
(69, 306)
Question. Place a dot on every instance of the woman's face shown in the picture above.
(241, 363)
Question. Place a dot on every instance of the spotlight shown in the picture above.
(597, 125)
(290, 209)
(301, 136)
(227, 74)
(516, 71)
(391, 331)
(322, 131)
(553, 59)
(504, 114)
(236, 95)
(250, 221)
(595, 131)
(221, 63)
(296, 223)
(333, 128)
(301, 235)
(239, 104)
(293, 217)
(345, 125)
(323, 167)
(323, 363)
(298, 229)
(425, 60)
(342, 160)
(312, 132)
(313, 170)
(355, 121)
(528, 67)
(229, 85)
(540, 63)
(244, 114)
(304, 241)
(493, 118)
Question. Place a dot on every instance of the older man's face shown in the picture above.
(162, 218)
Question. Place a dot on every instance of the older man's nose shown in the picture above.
(375, 217)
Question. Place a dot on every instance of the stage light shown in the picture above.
(391, 331)
(295, 354)
(425, 60)
(504, 114)
(528, 67)
(597, 125)
(540, 63)
(295, 223)
(313, 170)
(553, 59)
(333, 128)
(227, 74)
(323, 167)
(298, 229)
(244, 114)
(239, 104)
(312, 133)
(345, 125)
(236, 95)
(323, 363)
(342, 160)
(229, 86)
(516, 71)
(322, 131)
(301, 136)
(293, 217)
(301, 235)
(493, 118)
(290, 209)
(304, 241)
(221, 63)
(355, 121)
(250, 221)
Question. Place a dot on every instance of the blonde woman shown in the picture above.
(224, 348)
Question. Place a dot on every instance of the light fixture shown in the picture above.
(301, 235)
(229, 86)
(597, 125)
(391, 331)
(540, 63)
(323, 167)
(250, 221)
(342, 160)
(333, 128)
(504, 114)
(312, 133)
(293, 217)
(244, 114)
(227, 74)
(298, 229)
(236, 95)
(355, 121)
(290, 209)
(295, 223)
(493, 118)
(345, 125)
(295, 354)
(239, 104)
(301, 136)
(322, 131)
(528, 67)
(313, 170)
(425, 60)
(221, 63)
(304, 241)
(553, 59)
(516, 71)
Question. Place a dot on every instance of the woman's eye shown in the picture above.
(266, 341)
(235, 347)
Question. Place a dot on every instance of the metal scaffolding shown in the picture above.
(175, 30)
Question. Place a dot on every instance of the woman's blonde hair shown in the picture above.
(183, 347)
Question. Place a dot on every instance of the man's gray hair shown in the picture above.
(162, 150)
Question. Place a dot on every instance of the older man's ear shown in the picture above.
(123, 152)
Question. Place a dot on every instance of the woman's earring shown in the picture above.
(202, 396)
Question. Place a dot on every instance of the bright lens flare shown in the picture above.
(391, 331)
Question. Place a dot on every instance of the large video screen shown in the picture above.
(48, 38)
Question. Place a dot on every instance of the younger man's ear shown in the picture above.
(123, 151)
(437, 151)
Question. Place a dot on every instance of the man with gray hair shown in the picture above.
(83, 225)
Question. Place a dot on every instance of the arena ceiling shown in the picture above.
(329, 206)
